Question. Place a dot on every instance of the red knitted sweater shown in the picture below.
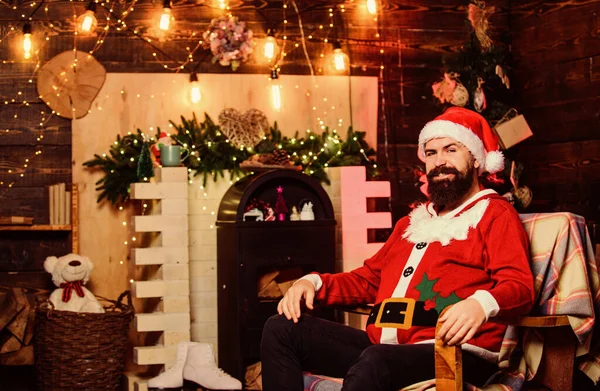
(480, 246)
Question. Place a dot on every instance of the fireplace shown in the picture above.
(258, 260)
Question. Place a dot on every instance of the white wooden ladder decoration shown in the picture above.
(172, 281)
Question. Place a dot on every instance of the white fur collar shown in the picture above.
(426, 226)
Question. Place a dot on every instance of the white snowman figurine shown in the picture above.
(307, 212)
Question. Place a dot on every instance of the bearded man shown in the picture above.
(465, 247)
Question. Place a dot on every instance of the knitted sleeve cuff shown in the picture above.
(488, 302)
(314, 279)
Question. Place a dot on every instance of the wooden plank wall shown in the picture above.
(556, 45)
(413, 37)
(557, 49)
(28, 127)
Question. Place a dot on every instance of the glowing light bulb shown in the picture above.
(195, 94)
(340, 59)
(166, 17)
(275, 90)
(271, 48)
(223, 4)
(276, 96)
(27, 45)
(87, 22)
(372, 6)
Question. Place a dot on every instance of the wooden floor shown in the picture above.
(17, 378)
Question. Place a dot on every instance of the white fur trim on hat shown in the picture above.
(494, 162)
(460, 133)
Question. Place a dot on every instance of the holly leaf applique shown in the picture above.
(425, 288)
(443, 302)
(433, 299)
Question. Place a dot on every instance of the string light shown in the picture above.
(166, 17)
(118, 21)
(27, 45)
(195, 94)
(179, 65)
(87, 22)
(275, 90)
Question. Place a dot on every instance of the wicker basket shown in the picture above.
(81, 351)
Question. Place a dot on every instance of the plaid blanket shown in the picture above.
(566, 283)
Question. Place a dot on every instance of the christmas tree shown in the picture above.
(145, 168)
(477, 78)
(281, 208)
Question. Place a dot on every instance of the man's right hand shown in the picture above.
(290, 304)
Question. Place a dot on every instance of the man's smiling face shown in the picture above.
(450, 170)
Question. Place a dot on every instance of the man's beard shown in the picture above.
(449, 191)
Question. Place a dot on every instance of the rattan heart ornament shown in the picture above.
(246, 129)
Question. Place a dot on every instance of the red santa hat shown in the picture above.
(470, 129)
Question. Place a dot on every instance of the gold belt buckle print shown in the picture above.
(396, 312)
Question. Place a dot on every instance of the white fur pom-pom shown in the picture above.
(494, 162)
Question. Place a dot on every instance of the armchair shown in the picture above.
(539, 349)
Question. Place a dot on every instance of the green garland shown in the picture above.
(211, 154)
(120, 167)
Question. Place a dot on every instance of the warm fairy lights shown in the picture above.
(128, 233)
(100, 18)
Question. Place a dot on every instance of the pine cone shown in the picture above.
(280, 157)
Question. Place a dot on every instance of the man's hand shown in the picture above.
(290, 304)
(461, 322)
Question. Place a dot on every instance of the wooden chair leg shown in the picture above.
(448, 366)
(556, 366)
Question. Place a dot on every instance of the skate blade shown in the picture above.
(189, 385)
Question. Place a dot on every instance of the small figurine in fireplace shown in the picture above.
(270, 215)
(253, 214)
(281, 208)
(307, 212)
(295, 216)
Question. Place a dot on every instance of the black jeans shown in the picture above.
(332, 349)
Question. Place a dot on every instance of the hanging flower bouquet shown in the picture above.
(229, 40)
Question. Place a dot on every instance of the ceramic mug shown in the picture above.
(171, 155)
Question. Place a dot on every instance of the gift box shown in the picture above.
(513, 131)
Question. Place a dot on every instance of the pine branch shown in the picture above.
(211, 154)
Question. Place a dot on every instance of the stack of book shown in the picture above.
(60, 204)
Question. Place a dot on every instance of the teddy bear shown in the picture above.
(70, 273)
